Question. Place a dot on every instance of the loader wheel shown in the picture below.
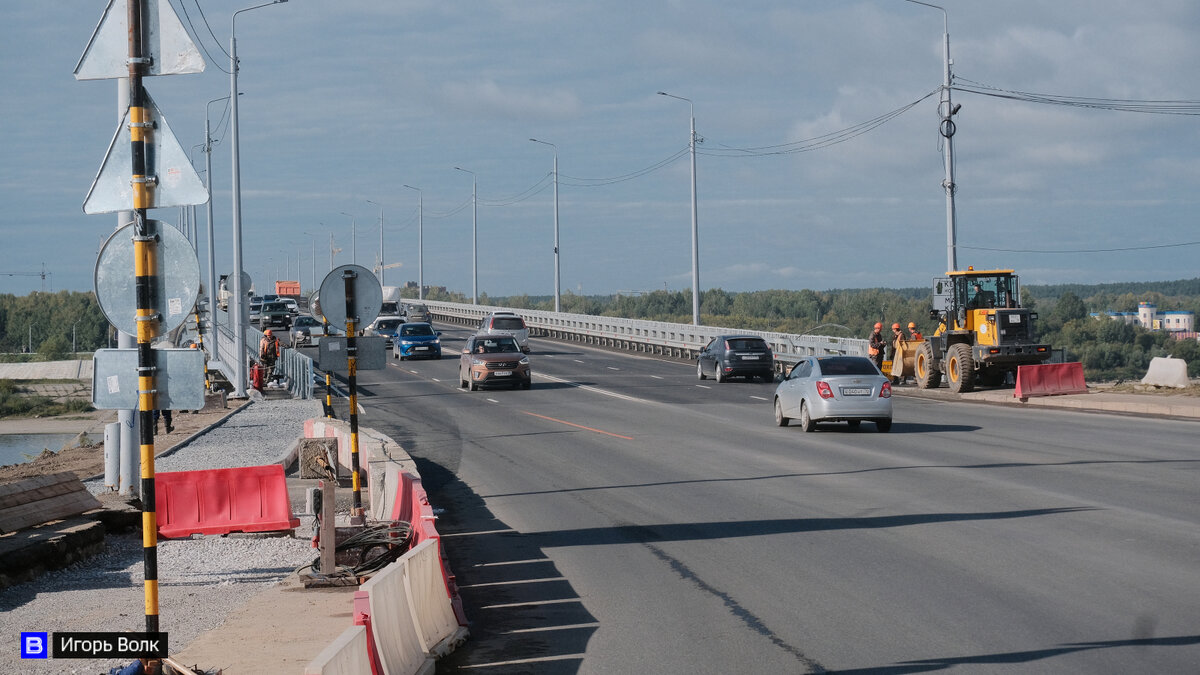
(928, 377)
(960, 369)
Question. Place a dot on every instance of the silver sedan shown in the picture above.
(834, 389)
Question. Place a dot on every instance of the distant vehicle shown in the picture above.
(417, 340)
(292, 305)
(385, 327)
(729, 356)
(489, 360)
(287, 289)
(391, 302)
(507, 323)
(275, 315)
(305, 328)
(270, 297)
(417, 313)
(834, 389)
(256, 304)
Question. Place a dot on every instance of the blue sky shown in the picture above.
(345, 102)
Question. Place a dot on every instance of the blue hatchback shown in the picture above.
(417, 340)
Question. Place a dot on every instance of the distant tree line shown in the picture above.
(1108, 349)
(41, 323)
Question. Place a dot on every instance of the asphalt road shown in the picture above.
(624, 517)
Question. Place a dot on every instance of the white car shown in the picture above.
(834, 389)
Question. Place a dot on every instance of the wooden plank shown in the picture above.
(43, 492)
(77, 500)
(36, 482)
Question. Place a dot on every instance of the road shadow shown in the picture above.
(525, 617)
(1023, 657)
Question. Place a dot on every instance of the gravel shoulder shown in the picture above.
(201, 581)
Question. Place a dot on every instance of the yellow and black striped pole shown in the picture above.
(352, 381)
(145, 261)
(200, 342)
(328, 381)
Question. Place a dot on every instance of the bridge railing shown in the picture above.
(676, 340)
(223, 356)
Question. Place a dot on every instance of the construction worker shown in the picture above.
(897, 352)
(914, 333)
(268, 350)
(876, 345)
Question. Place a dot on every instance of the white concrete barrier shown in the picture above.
(437, 626)
(1167, 372)
(346, 655)
(393, 624)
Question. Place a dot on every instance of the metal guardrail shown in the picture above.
(296, 366)
(653, 337)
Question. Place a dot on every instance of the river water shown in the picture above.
(20, 448)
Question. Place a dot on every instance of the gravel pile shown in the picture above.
(201, 580)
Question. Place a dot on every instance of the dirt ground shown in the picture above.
(88, 460)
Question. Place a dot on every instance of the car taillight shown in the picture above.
(824, 390)
(886, 390)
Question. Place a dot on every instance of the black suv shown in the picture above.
(736, 356)
(275, 315)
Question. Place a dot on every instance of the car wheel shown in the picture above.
(806, 420)
(883, 425)
(768, 377)
(472, 386)
(718, 375)
(780, 418)
(700, 371)
(526, 385)
(854, 423)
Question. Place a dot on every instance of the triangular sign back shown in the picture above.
(170, 47)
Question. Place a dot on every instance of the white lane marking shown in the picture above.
(759, 398)
(704, 386)
(577, 361)
(612, 368)
(434, 379)
(597, 390)
(657, 377)
(492, 400)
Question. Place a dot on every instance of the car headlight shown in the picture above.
(478, 362)
(525, 360)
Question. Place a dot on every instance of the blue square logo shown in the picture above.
(35, 645)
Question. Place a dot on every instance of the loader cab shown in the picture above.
(955, 295)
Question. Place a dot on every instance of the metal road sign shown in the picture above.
(332, 356)
(171, 50)
(180, 379)
(178, 281)
(367, 296)
(176, 182)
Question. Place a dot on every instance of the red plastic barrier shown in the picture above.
(219, 501)
(362, 617)
(1050, 379)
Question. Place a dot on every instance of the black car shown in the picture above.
(736, 356)
(275, 315)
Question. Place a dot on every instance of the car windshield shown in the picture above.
(274, 307)
(390, 324)
(305, 321)
(750, 344)
(496, 346)
(416, 329)
(418, 309)
(847, 365)
(507, 323)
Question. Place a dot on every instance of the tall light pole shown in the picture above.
(946, 128)
(474, 238)
(557, 284)
(212, 258)
(695, 227)
(420, 242)
(239, 303)
(381, 266)
(353, 238)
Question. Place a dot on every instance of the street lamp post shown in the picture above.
(353, 238)
(946, 128)
(474, 238)
(239, 324)
(381, 265)
(557, 284)
(695, 227)
(212, 258)
(420, 242)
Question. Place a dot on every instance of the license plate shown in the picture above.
(750, 357)
(856, 391)
(502, 373)
(420, 349)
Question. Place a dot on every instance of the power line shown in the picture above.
(197, 34)
(1083, 250)
(1157, 107)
